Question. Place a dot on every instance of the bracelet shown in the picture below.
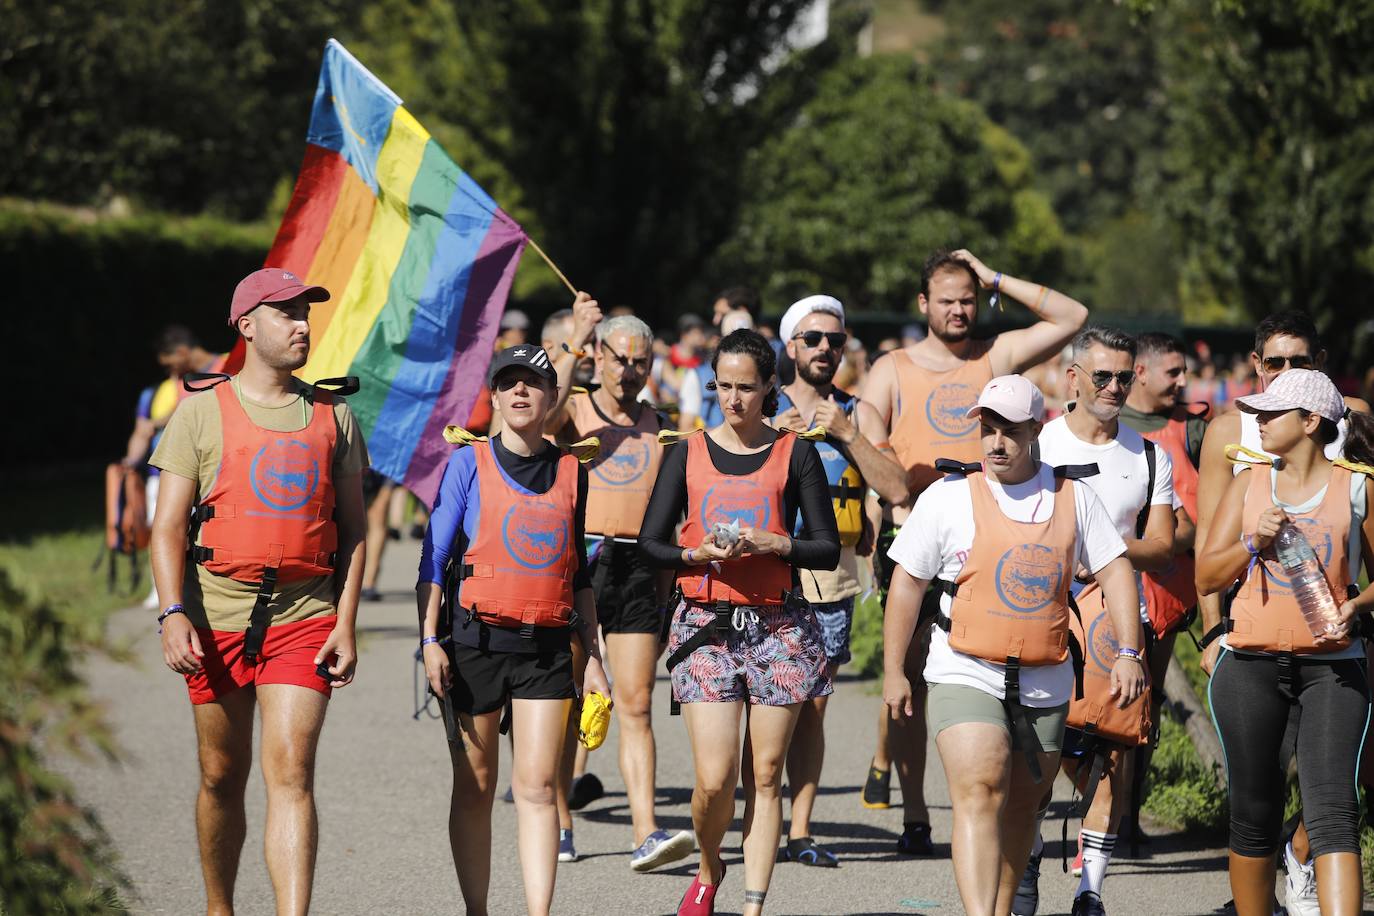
(1249, 543)
(429, 641)
(168, 612)
(1132, 654)
(579, 353)
(995, 299)
(1044, 291)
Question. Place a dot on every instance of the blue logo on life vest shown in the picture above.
(1318, 535)
(1028, 577)
(535, 534)
(284, 474)
(1102, 643)
(947, 409)
(735, 499)
(624, 459)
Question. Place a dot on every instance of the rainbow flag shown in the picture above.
(419, 261)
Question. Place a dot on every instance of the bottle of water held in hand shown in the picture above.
(1309, 584)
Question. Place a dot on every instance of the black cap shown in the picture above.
(526, 356)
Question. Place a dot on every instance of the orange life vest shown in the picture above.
(1265, 615)
(271, 506)
(622, 476)
(1172, 593)
(1095, 713)
(518, 571)
(930, 414)
(1011, 599)
(756, 501)
(126, 510)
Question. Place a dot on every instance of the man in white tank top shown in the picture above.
(1283, 341)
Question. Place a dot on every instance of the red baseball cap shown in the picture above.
(270, 284)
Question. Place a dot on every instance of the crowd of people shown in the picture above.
(1042, 513)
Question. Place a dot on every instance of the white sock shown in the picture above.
(1039, 846)
(1097, 852)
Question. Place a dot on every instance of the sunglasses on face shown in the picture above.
(507, 382)
(1280, 363)
(1102, 377)
(812, 339)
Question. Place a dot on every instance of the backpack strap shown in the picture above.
(961, 468)
(1076, 471)
(1144, 517)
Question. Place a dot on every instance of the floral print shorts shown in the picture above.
(771, 656)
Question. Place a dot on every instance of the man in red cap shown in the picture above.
(268, 470)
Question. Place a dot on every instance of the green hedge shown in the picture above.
(86, 296)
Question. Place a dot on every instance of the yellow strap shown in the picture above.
(669, 436)
(456, 435)
(1239, 454)
(577, 389)
(814, 434)
(1355, 466)
(585, 450)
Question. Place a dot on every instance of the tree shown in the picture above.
(615, 130)
(1267, 165)
(878, 170)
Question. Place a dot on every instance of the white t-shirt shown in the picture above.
(689, 398)
(1250, 438)
(1122, 478)
(935, 541)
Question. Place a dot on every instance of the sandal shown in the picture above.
(877, 792)
(806, 851)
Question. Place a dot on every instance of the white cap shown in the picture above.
(1307, 389)
(803, 307)
(1013, 398)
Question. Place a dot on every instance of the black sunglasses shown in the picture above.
(1280, 363)
(1102, 377)
(812, 339)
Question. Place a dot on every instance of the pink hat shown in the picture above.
(1305, 389)
(1012, 397)
(270, 284)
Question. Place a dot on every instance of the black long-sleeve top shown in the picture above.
(817, 546)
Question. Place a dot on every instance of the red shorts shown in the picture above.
(287, 657)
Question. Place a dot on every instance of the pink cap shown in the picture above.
(1013, 398)
(1305, 389)
(270, 284)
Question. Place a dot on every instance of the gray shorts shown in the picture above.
(955, 704)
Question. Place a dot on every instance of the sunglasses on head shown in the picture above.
(1102, 377)
(812, 339)
(1280, 363)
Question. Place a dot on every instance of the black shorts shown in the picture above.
(626, 600)
(483, 681)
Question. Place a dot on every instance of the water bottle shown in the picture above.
(1309, 584)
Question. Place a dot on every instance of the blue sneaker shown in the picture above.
(659, 848)
(566, 851)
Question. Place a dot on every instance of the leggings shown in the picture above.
(1330, 712)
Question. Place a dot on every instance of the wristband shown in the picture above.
(168, 612)
(1132, 654)
(996, 299)
(1249, 543)
(429, 641)
(579, 353)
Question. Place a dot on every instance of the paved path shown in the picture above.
(383, 799)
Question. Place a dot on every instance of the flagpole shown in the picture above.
(552, 266)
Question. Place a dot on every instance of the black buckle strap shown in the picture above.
(190, 380)
(202, 513)
(963, 468)
(1076, 471)
(1286, 682)
(262, 614)
(844, 491)
(721, 626)
(666, 624)
(1215, 633)
(1020, 720)
(201, 555)
(342, 386)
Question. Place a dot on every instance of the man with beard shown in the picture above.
(813, 330)
(1100, 375)
(264, 614)
(922, 394)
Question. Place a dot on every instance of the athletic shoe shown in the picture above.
(370, 594)
(1027, 899)
(1088, 904)
(915, 840)
(566, 851)
(585, 790)
(806, 851)
(1300, 885)
(877, 788)
(700, 899)
(1078, 859)
(660, 848)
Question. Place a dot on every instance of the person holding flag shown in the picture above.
(505, 543)
(813, 332)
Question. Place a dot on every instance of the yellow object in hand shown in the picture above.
(596, 721)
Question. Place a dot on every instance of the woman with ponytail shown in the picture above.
(1272, 666)
(744, 649)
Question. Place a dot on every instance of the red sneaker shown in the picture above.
(700, 899)
(1077, 869)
